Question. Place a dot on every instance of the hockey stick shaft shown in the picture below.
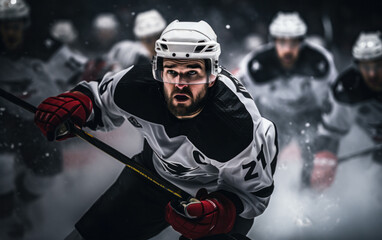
(136, 167)
(360, 153)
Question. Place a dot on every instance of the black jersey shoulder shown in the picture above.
(312, 62)
(264, 65)
(222, 130)
(350, 88)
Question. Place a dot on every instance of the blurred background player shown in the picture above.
(66, 66)
(27, 161)
(356, 97)
(147, 28)
(105, 33)
(289, 81)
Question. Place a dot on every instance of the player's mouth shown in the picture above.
(181, 97)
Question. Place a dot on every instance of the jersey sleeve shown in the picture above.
(106, 115)
(249, 175)
(321, 91)
(336, 123)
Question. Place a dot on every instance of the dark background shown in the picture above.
(347, 18)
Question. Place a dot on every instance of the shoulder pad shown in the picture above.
(349, 87)
(264, 65)
(313, 61)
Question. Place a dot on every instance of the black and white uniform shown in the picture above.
(351, 102)
(65, 66)
(293, 99)
(228, 147)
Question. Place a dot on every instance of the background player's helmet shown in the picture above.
(13, 10)
(64, 31)
(287, 25)
(105, 21)
(148, 24)
(368, 47)
(187, 40)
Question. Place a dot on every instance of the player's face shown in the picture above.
(372, 74)
(185, 86)
(12, 34)
(287, 50)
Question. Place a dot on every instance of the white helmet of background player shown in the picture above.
(149, 23)
(105, 21)
(287, 25)
(64, 31)
(368, 47)
(105, 28)
(187, 40)
(13, 9)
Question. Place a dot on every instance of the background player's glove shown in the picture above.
(53, 112)
(208, 214)
(324, 170)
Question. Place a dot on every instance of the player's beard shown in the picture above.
(288, 60)
(197, 102)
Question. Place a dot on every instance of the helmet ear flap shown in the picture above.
(208, 67)
(157, 67)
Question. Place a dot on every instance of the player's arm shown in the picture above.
(336, 123)
(249, 176)
(88, 104)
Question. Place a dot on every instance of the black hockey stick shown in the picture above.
(136, 167)
(360, 153)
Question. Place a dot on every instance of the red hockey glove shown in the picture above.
(324, 170)
(55, 111)
(209, 214)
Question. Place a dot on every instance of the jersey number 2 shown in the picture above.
(260, 157)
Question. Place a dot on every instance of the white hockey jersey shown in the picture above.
(228, 146)
(288, 94)
(351, 102)
(65, 66)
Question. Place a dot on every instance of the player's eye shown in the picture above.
(191, 73)
(172, 73)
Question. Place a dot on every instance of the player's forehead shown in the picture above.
(370, 62)
(184, 63)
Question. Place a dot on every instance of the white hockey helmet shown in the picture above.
(149, 23)
(287, 25)
(64, 30)
(105, 21)
(13, 9)
(368, 46)
(187, 40)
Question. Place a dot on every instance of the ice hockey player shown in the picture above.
(27, 163)
(105, 33)
(147, 29)
(289, 81)
(202, 131)
(355, 97)
(67, 64)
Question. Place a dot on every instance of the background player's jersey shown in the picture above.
(296, 92)
(351, 101)
(65, 67)
(228, 146)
